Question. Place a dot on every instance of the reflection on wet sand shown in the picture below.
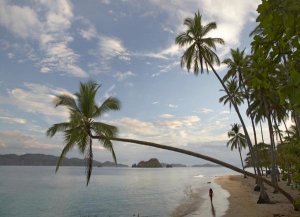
(213, 211)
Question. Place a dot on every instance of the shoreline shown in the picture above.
(242, 199)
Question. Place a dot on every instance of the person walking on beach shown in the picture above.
(211, 193)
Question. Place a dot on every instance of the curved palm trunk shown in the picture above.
(277, 129)
(286, 129)
(263, 195)
(297, 121)
(262, 134)
(273, 173)
(204, 157)
(240, 152)
(252, 123)
(89, 161)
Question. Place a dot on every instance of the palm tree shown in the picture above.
(237, 140)
(82, 129)
(199, 55)
(260, 108)
(204, 157)
(83, 112)
(238, 65)
(235, 93)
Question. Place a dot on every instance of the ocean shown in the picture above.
(113, 192)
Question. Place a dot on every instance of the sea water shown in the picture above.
(112, 192)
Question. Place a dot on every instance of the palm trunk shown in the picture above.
(277, 129)
(273, 173)
(297, 121)
(262, 134)
(286, 129)
(252, 119)
(241, 159)
(89, 162)
(296, 114)
(280, 138)
(204, 157)
(263, 197)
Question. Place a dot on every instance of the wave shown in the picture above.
(189, 204)
(199, 176)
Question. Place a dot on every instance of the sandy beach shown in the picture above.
(242, 199)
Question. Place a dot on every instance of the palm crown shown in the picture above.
(82, 125)
(237, 139)
(200, 52)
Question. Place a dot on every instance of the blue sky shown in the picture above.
(127, 46)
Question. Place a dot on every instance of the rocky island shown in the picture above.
(152, 163)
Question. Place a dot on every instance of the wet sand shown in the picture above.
(242, 199)
(199, 205)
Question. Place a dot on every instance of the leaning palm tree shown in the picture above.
(237, 140)
(82, 129)
(200, 54)
(83, 112)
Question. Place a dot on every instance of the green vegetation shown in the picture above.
(152, 163)
(82, 125)
(237, 140)
(267, 80)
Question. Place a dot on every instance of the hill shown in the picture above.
(152, 163)
(46, 160)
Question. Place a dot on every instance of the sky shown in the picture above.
(127, 46)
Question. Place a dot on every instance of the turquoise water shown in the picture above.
(114, 192)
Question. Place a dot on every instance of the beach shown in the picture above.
(242, 199)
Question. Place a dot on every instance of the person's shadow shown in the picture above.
(213, 211)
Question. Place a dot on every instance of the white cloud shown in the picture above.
(36, 98)
(50, 30)
(155, 102)
(20, 143)
(120, 76)
(173, 106)
(10, 55)
(13, 120)
(22, 21)
(205, 110)
(166, 68)
(171, 130)
(225, 112)
(89, 33)
(106, 2)
(171, 51)
(110, 91)
(166, 116)
(111, 47)
(230, 16)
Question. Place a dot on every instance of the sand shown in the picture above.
(242, 199)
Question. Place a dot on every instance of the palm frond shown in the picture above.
(107, 144)
(187, 57)
(183, 39)
(66, 100)
(105, 130)
(110, 104)
(65, 150)
(208, 28)
(60, 127)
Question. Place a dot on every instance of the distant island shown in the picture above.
(206, 165)
(152, 163)
(47, 160)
